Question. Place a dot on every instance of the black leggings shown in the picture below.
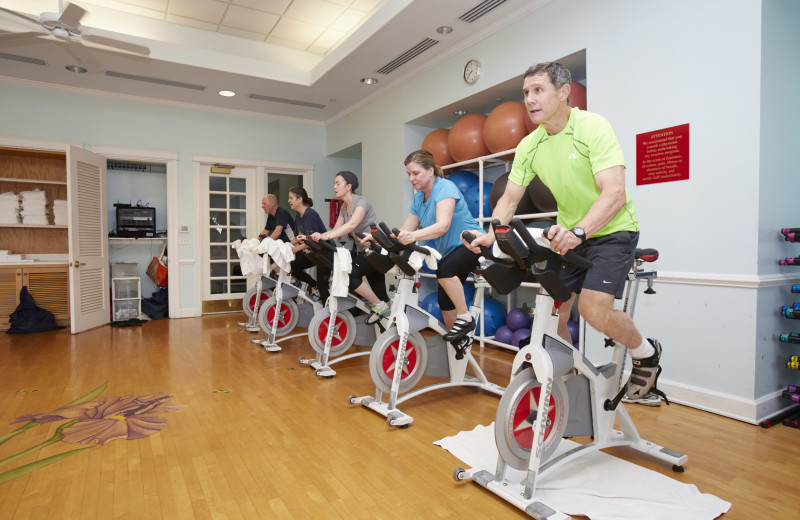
(376, 280)
(459, 262)
(299, 265)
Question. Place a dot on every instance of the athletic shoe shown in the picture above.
(377, 312)
(648, 399)
(460, 329)
(644, 374)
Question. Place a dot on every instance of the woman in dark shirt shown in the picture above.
(307, 223)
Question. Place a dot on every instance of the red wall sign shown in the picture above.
(663, 155)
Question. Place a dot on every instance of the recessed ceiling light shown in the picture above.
(227, 93)
(460, 112)
(76, 68)
(444, 29)
(369, 81)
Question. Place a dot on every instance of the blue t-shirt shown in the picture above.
(281, 218)
(426, 213)
(309, 223)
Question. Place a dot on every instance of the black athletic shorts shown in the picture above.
(612, 257)
(460, 262)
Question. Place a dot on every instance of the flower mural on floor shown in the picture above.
(92, 422)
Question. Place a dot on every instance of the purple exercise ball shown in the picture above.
(516, 319)
(503, 335)
(574, 332)
(519, 335)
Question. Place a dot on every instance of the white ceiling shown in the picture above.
(305, 56)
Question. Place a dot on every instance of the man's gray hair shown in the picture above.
(559, 75)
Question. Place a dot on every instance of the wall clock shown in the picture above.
(472, 71)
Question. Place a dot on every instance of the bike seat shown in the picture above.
(647, 255)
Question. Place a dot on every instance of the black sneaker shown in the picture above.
(644, 374)
(460, 329)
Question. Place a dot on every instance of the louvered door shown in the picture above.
(88, 239)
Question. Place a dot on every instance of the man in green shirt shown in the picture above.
(577, 155)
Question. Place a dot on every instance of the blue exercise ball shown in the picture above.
(472, 198)
(431, 304)
(469, 293)
(517, 319)
(494, 314)
(503, 335)
(463, 180)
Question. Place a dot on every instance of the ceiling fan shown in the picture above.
(65, 25)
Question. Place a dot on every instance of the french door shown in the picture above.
(228, 214)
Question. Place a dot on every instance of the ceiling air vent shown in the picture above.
(407, 56)
(24, 59)
(287, 101)
(159, 81)
(480, 10)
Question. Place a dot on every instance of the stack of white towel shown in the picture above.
(60, 212)
(33, 207)
(9, 208)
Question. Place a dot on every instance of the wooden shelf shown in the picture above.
(38, 226)
(32, 181)
(128, 241)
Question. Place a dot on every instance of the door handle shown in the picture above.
(77, 264)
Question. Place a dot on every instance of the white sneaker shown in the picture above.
(648, 399)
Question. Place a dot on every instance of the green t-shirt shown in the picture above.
(567, 162)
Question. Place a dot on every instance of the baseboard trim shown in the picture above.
(745, 410)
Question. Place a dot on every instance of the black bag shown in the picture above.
(28, 317)
(156, 307)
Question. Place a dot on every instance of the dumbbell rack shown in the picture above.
(791, 417)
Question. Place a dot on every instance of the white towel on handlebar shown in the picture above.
(431, 259)
(280, 252)
(340, 279)
(248, 257)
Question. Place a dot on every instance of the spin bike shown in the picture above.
(262, 289)
(279, 314)
(555, 391)
(401, 356)
(339, 325)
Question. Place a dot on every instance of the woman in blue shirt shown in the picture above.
(439, 212)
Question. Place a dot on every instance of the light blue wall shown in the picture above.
(37, 113)
(651, 66)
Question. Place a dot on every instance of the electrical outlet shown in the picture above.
(183, 241)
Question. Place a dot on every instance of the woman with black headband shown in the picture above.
(356, 217)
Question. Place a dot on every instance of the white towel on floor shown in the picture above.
(340, 279)
(599, 486)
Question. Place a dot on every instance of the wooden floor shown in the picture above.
(263, 437)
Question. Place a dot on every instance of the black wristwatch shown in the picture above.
(580, 233)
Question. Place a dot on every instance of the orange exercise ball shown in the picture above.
(577, 98)
(436, 143)
(577, 95)
(505, 127)
(465, 140)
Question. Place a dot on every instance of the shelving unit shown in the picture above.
(45, 247)
(126, 295)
